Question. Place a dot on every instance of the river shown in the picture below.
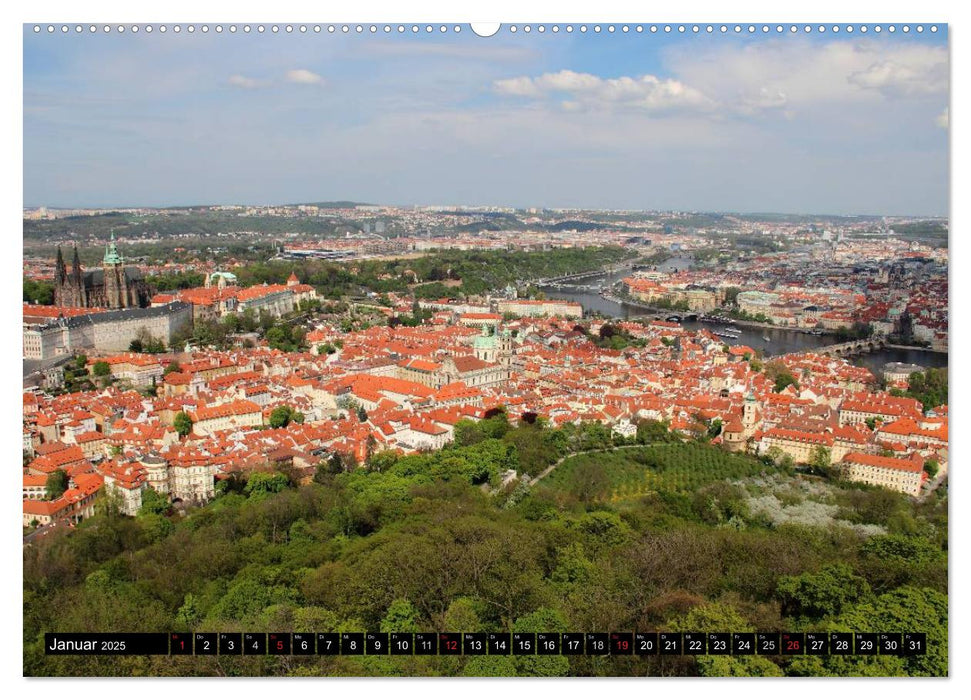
(780, 341)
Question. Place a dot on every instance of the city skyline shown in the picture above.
(834, 123)
(483, 207)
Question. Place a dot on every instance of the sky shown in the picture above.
(796, 123)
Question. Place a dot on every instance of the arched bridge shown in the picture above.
(852, 347)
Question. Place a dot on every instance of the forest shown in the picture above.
(651, 533)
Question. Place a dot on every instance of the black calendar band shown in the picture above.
(486, 644)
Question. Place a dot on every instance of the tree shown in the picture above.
(281, 416)
(335, 463)
(263, 483)
(820, 459)
(153, 503)
(188, 615)
(467, 433)
(361, 414)
(780, 374)
(464, 614)
(401, 616)
(101, 369)
(607, 331)
(932, 466)
(930, 387)
(278, 338)
(182, 423)
(171, 367)
(56, 485)
(322, 473)
(155, 527)
(821, 594)
(38, 292)
(146, 342)
(381, 461)
(370, 445)
(650, 431)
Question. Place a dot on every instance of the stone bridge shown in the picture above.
(852, 347)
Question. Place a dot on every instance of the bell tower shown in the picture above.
(79, 292)
(60, 279)
(116, 288)
(750, 412)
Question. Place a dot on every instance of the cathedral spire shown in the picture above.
(60, 271)
(76, 266)
(111, 252)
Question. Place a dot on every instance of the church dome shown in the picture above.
(484, 342)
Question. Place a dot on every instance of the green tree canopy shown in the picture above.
(101, 369)
(182, 423)
(822, 594)
(57, 483)
(262, 483)
(281, 416)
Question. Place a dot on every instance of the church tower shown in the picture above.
(60, 271)
(116, 287)
(60, 278)
(79, 293)
(505, 347)
(750, 413)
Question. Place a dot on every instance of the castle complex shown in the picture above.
(112, 287)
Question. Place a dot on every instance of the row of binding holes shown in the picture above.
(259, 29)
(442, 29)
(723, 28)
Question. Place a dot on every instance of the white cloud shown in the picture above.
(569, 81)
(241, 81)
(518, 87)
(810, 74)
(764, 99)
(894, 79)
(304, 76)
(586, 91)
(943, 119)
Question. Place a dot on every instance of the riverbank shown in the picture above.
(731, 321)
(771, 340)
(919, 348)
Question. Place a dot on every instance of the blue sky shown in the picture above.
(830, 123)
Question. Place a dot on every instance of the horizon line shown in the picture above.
(354, 203)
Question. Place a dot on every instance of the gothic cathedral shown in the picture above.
(112, 287)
